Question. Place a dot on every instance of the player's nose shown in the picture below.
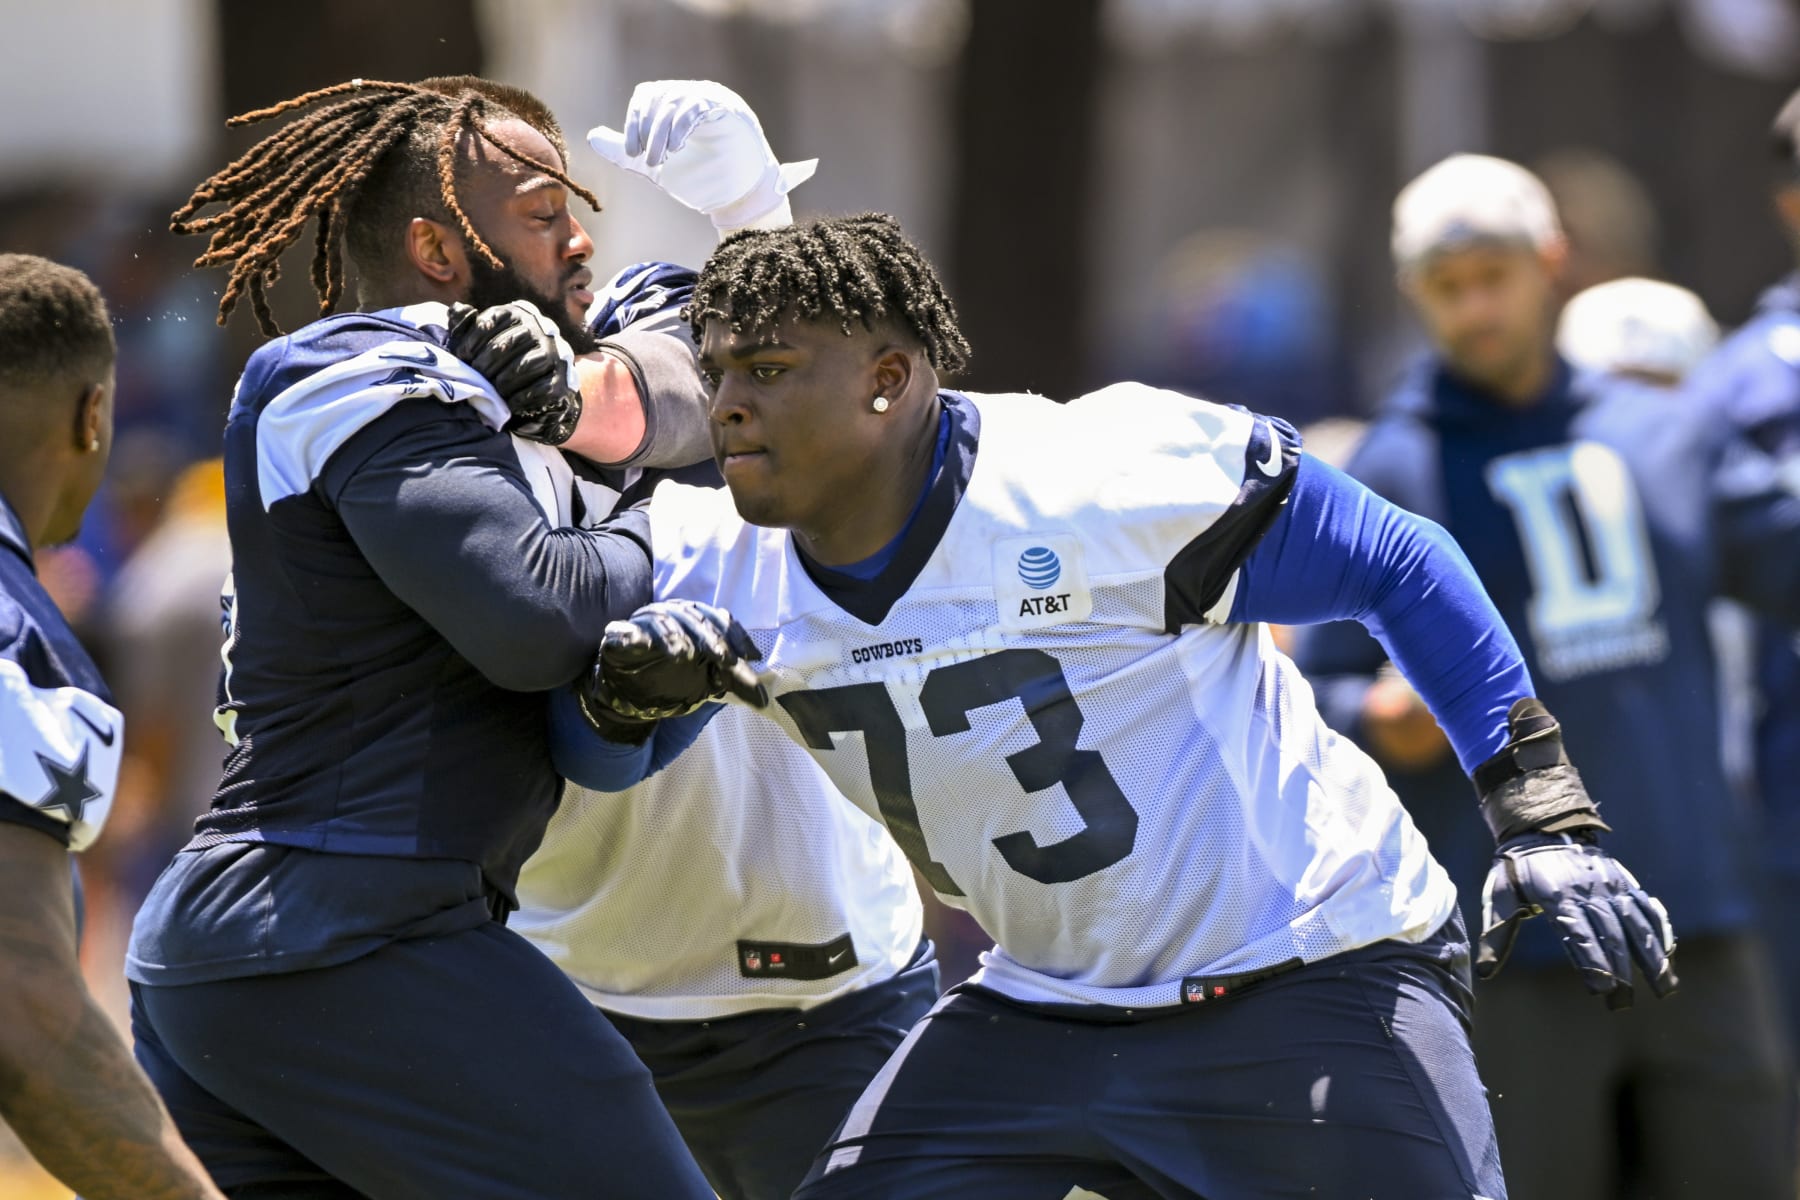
(580, 246)
(729, 403)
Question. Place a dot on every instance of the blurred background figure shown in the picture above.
(1638, 328)
(1753, 384)
(1608, 219)
(1603, 516)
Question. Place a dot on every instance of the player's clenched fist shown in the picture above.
(668, 659)
(1546, 861)
(522, 353)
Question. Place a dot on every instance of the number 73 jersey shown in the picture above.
(1041, 701)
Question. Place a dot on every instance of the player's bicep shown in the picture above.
(441, 511)
(37, 903)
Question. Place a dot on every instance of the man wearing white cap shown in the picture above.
(1602, 517)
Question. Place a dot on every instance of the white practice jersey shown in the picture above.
(735, 879)
(1041, 702)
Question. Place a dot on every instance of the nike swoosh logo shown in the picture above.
(422, 355)
(1271, 466)
(835, 957)
(106, 736)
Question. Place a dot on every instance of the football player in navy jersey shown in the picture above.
(323, 988)
(1603, 516)
(1028, 638)
(68, 1086)
(1753, 383)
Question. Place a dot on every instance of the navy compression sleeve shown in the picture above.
(1340, 552)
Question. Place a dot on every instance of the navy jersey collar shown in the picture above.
(12, 534)
(1454, 396)
(870, 600)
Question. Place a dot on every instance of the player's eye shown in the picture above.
(711, 379)
(765, 372)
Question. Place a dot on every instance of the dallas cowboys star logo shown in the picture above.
(70, 789)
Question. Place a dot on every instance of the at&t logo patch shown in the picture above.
(1040, 568)
(1040, 580)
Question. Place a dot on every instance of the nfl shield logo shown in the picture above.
(1193, 991)
(752, 960)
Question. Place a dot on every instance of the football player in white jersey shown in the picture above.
(1028, 638)
(757, 940)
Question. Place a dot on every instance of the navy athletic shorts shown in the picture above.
(462, 1066)
(1346, 1079)
(757, 1095)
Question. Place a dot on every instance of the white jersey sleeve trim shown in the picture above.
(302, 427)
(59, 752)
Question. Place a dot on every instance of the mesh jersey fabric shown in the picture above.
(643, 897)
(1121, 807)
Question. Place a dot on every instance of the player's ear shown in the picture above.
(90, 414)
(435, 251)
(895, 371)
(1554, 255)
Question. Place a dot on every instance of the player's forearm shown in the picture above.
(643, 402)
(612, 423)
(70, 1090)
(450, 527)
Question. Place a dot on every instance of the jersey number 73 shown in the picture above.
(950, 693)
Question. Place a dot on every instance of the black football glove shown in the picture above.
(668, 659)
(1547, 861)
(522, 353)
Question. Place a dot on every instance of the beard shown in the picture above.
(490, 286)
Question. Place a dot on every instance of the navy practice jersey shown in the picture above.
(60, 736)
(398, 601)
(1602, 522)
(1753, 381)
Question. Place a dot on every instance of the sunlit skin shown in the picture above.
(524, 215)
(797, 438)
(54, 446)
(1489, 311)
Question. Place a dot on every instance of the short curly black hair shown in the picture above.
(856, 269)
(53, 321)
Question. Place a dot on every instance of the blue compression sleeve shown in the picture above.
(1340, 552)
(585, 758)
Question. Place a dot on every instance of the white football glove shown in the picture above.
(703, 146)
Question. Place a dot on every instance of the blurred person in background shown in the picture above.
(1608, 221)
(1642, 329)
(163, 622)
(1602, 516)
(1753, 383)
(68, 1085)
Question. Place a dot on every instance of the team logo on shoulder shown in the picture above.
(1040, 580)
(1040, 568)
